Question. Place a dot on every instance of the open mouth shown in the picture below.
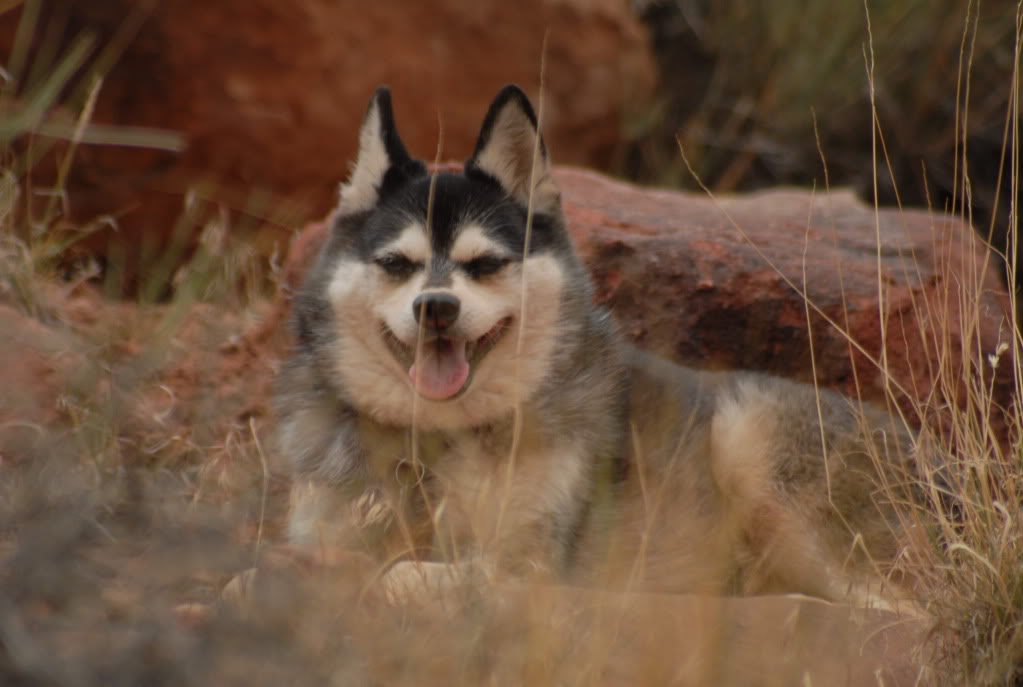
(444, 366)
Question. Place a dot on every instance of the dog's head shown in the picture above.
(450, 286)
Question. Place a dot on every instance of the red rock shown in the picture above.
(171, 383)
(32, 356)
(269, 96)
(715, 283)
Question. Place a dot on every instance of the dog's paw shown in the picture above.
(238, 592)
(422, 581)
(193, 615)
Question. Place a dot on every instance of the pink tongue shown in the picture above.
(440, 370)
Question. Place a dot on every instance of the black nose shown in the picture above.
(439, 309)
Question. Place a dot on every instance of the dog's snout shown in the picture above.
(439, 309)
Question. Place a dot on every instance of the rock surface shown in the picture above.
(166, 385)
(269, 95)
(716, 283)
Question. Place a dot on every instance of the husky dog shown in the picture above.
(455, 396)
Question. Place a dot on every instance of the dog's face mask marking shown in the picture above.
(427, 288)
(442, 313)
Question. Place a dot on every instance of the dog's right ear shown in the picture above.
(383, 161)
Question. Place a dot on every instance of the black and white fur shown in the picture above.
(347, 405)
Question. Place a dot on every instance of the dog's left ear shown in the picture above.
(505, 151)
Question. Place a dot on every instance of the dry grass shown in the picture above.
(135, 483)
(974, 573)
(746, 123)
(968, 555)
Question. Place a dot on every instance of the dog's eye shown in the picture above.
(484, 266)
(396, 265)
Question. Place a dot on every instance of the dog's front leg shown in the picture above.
(334, 504)
(509, 517)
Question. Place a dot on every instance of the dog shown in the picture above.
(454, 397)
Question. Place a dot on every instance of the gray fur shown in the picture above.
(630, 470)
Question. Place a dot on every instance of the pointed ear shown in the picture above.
(505, 151)
(383, 161)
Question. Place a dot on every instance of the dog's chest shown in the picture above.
(469, 490)
(453, 467)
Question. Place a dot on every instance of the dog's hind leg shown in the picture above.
(784, 544)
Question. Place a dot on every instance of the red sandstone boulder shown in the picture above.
(716, 283)
(269, 95)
